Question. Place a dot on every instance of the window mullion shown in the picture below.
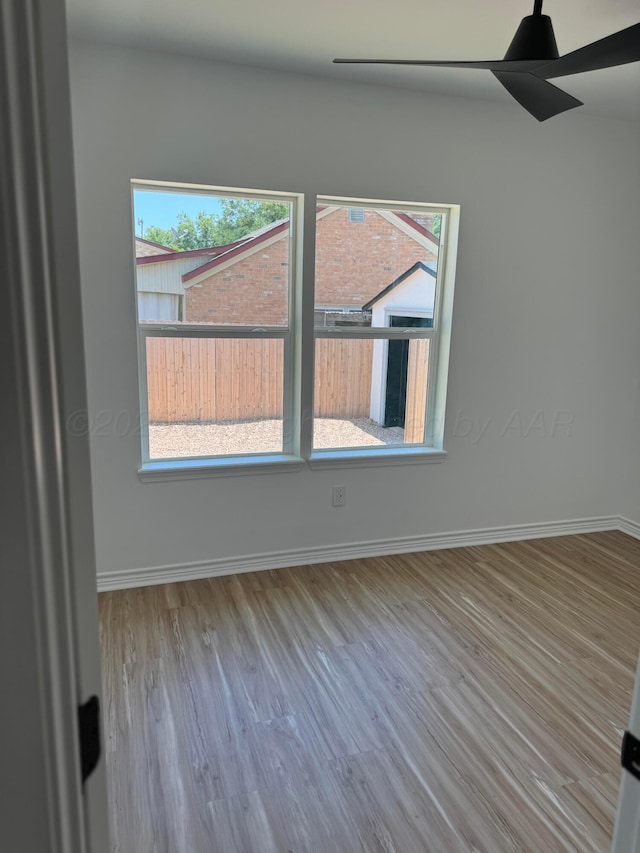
(305, 328)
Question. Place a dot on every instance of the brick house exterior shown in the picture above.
(250, 291)
(355, 260)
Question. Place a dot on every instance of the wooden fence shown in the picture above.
(342, 384)
(416, 408)
(237, 379)
(209, 379)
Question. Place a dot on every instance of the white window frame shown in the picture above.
(432, 448)
(289, 334)
(299, 348)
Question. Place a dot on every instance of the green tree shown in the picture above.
(237, 218)
(164, 236)
(241, 216)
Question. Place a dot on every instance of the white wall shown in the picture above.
(630, 416)
(630, 410)
(543, 323)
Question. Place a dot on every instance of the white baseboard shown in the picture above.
(626, 525)
(125, 579)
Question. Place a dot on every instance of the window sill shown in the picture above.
(374, 458)
(191, 469)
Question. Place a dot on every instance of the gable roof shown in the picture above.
(147, 248)
(419, 265)
(251, 242)
(164, 254)
(424, 232)
(173, 255)
(276, 230)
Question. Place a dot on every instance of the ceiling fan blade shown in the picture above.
(617, 49)
(543, 100)
(515, 65)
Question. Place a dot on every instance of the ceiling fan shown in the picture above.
(533, 58)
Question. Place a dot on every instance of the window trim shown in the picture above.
(299, 342)
(219, 466)
(440, 334)
(288, 334)
(160, 330)
(372, 457)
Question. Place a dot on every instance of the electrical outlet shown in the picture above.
(337, 496)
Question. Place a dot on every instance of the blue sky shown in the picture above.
(162, 209)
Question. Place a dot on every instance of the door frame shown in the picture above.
(378, 405)
(50, 662)
(626, 835)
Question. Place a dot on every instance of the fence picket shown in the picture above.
(231, 379)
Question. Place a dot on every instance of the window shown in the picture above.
(215, 297)
(228, 379)
(375, 378)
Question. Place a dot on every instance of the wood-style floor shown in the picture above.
(469, 699)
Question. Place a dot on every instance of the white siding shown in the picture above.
(166, 277)
(417, 292)
(158, 306)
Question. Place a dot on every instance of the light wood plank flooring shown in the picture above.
(469, 699)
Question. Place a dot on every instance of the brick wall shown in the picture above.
(354, 262)
(251, 292)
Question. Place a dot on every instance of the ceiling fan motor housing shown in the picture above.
(534, 39)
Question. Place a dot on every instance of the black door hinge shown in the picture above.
(631, 754)
(89, 731)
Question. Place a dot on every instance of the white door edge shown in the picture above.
(52, 535)
(626, 836)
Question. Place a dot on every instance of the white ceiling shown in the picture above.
(304, 36)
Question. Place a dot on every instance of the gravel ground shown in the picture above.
(179, 440)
